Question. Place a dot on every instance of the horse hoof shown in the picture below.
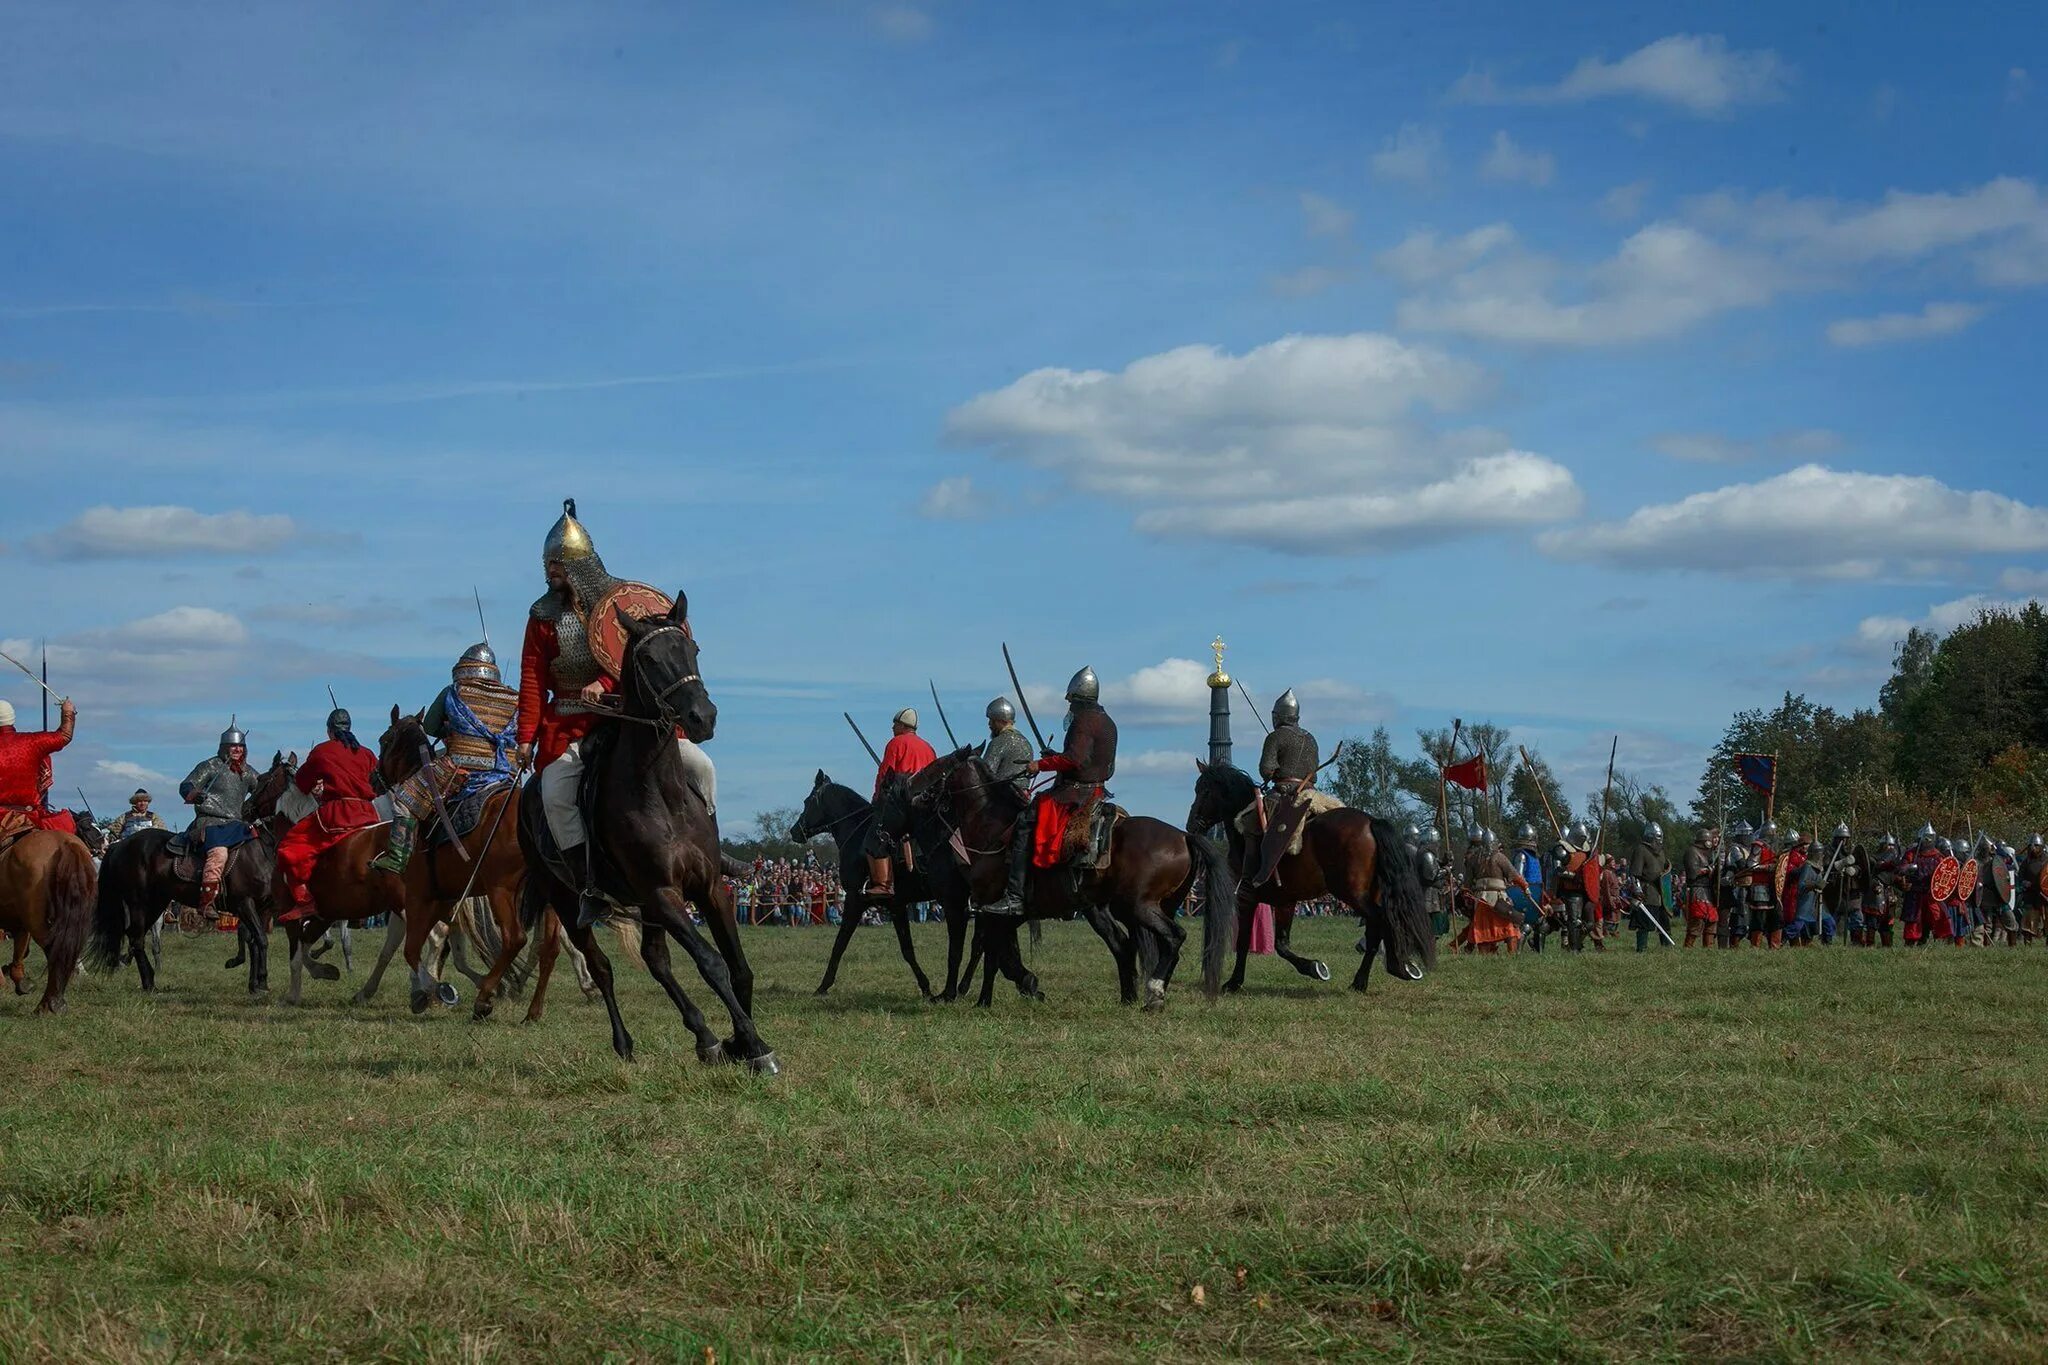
(713, 1055)
(1321, 971)
(480, 1012)
(1155, 996)
(321, 971)
(764, 1065)
(445, 993)
(260, 996)
(359, 998)
(420, 1001)
(1412, 972)
(822, 992)
(1233, 987)
(21, 986)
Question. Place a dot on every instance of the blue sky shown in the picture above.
(1589, 373)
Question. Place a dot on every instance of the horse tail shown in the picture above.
(1219, 910)
(1397, 892)
(109, 917)
(68, 913)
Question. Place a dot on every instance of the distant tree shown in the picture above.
(1524, 797)
(1370, 776)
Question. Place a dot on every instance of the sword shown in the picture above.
(863, 739)
(30, 672)
(951, 738)
(1025, 703)
(1254, 705)
(481, 624)
(440, 805)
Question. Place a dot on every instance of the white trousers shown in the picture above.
(559, 780)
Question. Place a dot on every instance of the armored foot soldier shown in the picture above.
(1922, 910)
(1882, 893)
(2033, 897)
(24, 760)
(1528, 897)
(1086, 760)
(1007, 756)
(1574, 881)
(906, 753)
(1422, 853)
(1651, 868)
(1702, 873)
(218, 790)
(1488, 875)
(340, 775)
(1760, 890)
(476, 718)
(561, 688)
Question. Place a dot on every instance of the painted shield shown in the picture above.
(607, 636)
(1589, 877)
(1778, 871)
(1943, 883)
(1966, 880)
(2003, 881)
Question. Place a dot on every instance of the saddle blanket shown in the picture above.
(466, 808)
(1319, 802)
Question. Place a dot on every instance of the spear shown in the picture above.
(1530, 768)
(1601, 838)
(1255, 707)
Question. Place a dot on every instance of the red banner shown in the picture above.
(1471, 774)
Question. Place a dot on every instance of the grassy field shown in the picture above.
(1826, 1153)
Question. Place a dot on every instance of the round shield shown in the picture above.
(2042, 885)
(607, 636)
(1943, 883)
(1966, 880)
(1589, 877)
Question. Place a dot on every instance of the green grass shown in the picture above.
(1823, 1153)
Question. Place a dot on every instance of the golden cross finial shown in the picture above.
(1219, 678)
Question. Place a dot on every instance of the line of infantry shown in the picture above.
(1758, 887)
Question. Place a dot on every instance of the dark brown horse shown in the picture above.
(1130, 904)
(139, 878)
(1358, 858)
(46, 893)
(656, 843)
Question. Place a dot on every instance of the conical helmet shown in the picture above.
(1287, 710)
(567, 540)
(1084, 687)
(233, 736)
(479, 661)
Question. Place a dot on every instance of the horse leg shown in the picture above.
(899, 915)
(849, 920)
(1283, 932)
(249, 923)
(1000, 934)
(296, 941)
(17, 972)
(1244, 946)
(1161, 929)
(956, 939)
(394, 939)
(974, 955)
(720, 909)
(511, 938)
(316, 946)
(600, 970)
(654, 951)
(419, 929)
(1368, 947)
(675, 917)
(145, 945)
(550, 948)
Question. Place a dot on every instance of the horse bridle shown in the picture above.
(660, 698)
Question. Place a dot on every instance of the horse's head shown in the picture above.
(271, 787)
(660, 677)
(89, 833)
(1221, 791)
(398, 748)
(813, 820)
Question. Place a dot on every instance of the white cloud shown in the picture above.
(953, 499)
(1698, 73)
(1706, 447)
(121, 770)
(1877, 635)
(1323, 217)
(1210, 443)
(1811, 522)
(2031, 582)
(1410, 155)
(375, 611)
(1157, 763)
(1509, 163)
(903, 23)
(1176, 691)
(1421, 258)
(144, 532)
(1625, 202)
(1935, 320)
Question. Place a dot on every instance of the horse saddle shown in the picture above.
(466, 810)
(1090, 833)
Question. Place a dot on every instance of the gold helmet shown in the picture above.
(567, 541)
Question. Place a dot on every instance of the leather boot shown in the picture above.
(398, 851)
(881, 880)
(1012, 902)
(590, 907)
(1777, 938)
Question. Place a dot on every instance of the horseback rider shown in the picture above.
(476, 719)
(218, 790)
(562, 694)
(1086, 760)
(339, 774)
(1007, 754)
(24, 764)
(137, 817)
(904, 754)
(1287, 765)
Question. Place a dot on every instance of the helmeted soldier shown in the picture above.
(1528, 897)
(1287, 766)
(562, 690)
(1488, 875)
(1086, 760)
(340, 775)
(1766, 913)
(24, 772)
(1702, 873)
(2033, 900)
(1922, 911)
(1006, 753)
(1575, 880)
(218, 790)
(1881, 892)
(136, 818)
(1649, 865)
(476, 718)
(1421, 845)
(1738, 855)
(905, 754)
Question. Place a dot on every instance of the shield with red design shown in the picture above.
(1778, 873)
(1966, 879)
(1589, 877)
(1942, 884)
(607, 635)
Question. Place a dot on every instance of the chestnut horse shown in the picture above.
(1130, 904)
(1358, 858)
(657, 843)
(46, 895)
(139, 879)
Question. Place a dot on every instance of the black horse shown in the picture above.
(843, 814)
(656, 842)
(1358, 858)
(89, 833)
(139, 879)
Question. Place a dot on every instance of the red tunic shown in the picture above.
(905, 754)
(345, 807)
(540, 723)
(24, 759)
